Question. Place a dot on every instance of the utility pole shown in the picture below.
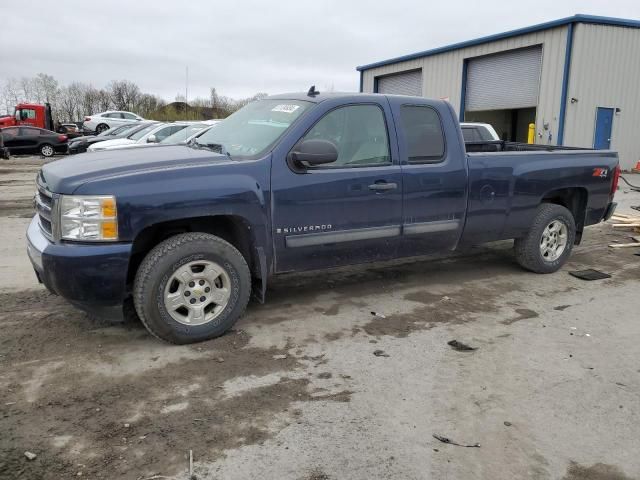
(186, 93)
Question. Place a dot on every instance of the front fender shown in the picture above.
(146, 198)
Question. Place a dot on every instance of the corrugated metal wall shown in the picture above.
(605, 72)
(442, 73)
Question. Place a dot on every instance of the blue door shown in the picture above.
(604, 122)
(346, 212)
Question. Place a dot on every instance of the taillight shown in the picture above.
(87, 119)
(616, 179)
(62, 138)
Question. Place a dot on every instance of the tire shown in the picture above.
(101, 128)
(47, 150)
(160, 280)
(529, 249)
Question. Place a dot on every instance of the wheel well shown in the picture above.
(574, 200)
(231, 228)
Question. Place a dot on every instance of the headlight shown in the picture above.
(88, 218)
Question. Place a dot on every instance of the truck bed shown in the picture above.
(507, 185)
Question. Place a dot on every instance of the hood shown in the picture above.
(66, 175)
(114, 142)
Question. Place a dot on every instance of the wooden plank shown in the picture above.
(625, 245)
(625, 225)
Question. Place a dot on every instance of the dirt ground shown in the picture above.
(344, 374)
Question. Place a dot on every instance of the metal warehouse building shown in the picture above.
(577, 79)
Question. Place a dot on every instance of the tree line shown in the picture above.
(72, 102)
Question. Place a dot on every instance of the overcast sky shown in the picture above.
(241, 46)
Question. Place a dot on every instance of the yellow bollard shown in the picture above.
(531, 138)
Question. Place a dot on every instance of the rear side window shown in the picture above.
(29, 131)
(423, 134)
(471, 134)
(128, 116)
(8, 133)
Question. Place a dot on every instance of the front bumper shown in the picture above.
(78, 148)
(93, 277)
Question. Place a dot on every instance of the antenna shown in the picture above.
(186, 93)
(312, 91)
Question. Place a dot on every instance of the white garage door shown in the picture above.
(504, 80)
(406, 83)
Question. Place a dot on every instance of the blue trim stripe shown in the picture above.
(579, 18)
(565, 83)
(463, 90)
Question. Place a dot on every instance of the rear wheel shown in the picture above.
(191, 287)
(102, 128)
(46, 150)
(549, 242)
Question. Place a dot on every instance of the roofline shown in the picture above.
(578, 18)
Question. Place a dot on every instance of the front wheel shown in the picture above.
(191, 287)
(46, 150)
(549, 242)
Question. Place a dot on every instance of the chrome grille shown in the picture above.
(44, 207)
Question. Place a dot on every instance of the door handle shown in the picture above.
(383, 186)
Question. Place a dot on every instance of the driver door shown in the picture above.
(345, 212)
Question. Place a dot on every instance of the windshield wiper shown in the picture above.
(214, 147)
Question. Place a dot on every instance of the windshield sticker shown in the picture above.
(285, 108)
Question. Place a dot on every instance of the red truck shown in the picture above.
(32, 114)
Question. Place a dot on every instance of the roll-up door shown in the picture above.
(507, 80)
(405, 83)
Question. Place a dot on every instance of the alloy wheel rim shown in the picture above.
(554, 240)
(47, 151)
(197, 292)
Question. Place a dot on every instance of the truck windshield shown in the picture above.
(250, 131)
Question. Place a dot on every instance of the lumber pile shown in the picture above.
(627, 222)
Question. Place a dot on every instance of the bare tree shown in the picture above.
(124, 94)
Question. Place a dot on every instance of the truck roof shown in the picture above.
(319, 97)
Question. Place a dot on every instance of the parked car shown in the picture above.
(478, 132)
(181, 137)
(80, 145)
(191, 131)
(100, 122)
(24, 140)
(4, 151)
(71, 130)
(298, 182)
(150, 134)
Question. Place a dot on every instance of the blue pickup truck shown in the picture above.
(184, 234)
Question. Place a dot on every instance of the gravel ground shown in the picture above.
(311, 385)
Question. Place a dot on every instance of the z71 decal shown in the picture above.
(600, 172)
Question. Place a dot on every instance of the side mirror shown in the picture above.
(152, 139)
(315, 152)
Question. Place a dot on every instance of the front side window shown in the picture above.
(25, 114)
(181, 136)
(253, 129)
(141, 133)
(359, 133)
(167, 131)
(24, 131)
(423, 134)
